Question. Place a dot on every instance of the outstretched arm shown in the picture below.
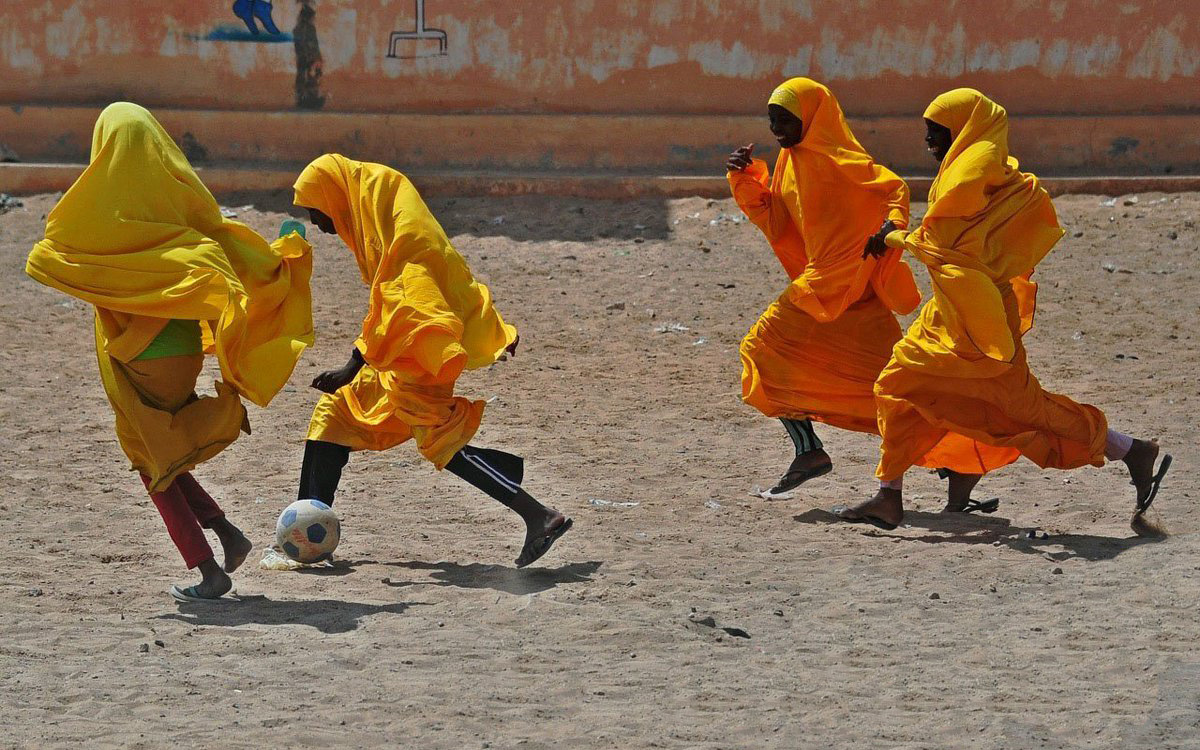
(897, 219)
(749, 181)
(331, 380)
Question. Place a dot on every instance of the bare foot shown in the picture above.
(804, 467)
(539, 537)
(234, 544)
(960, 486)
(885, 509)
(215, 584)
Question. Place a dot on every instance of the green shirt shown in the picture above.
(177, 337)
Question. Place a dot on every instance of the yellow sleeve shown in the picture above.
(896, 238)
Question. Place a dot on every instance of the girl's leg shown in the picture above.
(204, 508)
(1139, 456)
(321, 470)
(803, 435)
(188, 537)
(235, 545)
(811, 460)
(499, 474)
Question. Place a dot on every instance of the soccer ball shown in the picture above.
(308, 531)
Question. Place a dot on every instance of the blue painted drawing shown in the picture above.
(249, 10)
(420, 33)
(252, 13)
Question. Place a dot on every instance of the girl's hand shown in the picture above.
(876, 245)
(740, 158)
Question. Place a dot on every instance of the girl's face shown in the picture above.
(322, 221)
(937, 139)
(785, 126)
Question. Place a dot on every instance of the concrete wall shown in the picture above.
(667, 85)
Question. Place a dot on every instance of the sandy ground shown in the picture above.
(948, 632)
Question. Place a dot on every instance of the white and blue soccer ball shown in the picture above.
(308, 531)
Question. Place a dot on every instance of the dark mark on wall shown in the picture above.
(309, 64)
(420, 33)
(1122, 145)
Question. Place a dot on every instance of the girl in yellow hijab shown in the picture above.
(958, 394)
(427, 320)
(139, 237)
(816, 351)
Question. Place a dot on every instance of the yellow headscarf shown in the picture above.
(140, 237)
(988, 224)
(427, 312)
(837, 196)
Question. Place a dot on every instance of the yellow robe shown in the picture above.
(428, 319)
(961, 367)
(139, 237)
(817, 350)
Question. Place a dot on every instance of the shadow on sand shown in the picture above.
(966, 528)
(325, 615)
(523, 218)
(498, 577)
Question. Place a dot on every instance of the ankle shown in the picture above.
(223, 527)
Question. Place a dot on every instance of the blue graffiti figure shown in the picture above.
(248, 10)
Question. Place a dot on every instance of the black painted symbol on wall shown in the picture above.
(419, 34)
(309, 63)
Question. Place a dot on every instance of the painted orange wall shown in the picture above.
(1080, 59)
(717, 57)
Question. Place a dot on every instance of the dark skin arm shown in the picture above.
(331, 380)
(876, 247)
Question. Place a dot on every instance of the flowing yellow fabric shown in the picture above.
(139, 237)
(958, 392)
(817, 350)
(162, 426)
(428, 319)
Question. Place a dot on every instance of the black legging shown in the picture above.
(803, 435)
(497, 473)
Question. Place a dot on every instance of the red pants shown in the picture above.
(187, 510)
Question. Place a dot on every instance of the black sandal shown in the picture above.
(793, 479)
(978, 506)
(1155, 482)
(536, 548)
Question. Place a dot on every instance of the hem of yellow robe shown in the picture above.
(845, 402)
(968, 452)
(328, 425)
(754, 394)
(168, 476)
(142, 430)
(769, 408)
